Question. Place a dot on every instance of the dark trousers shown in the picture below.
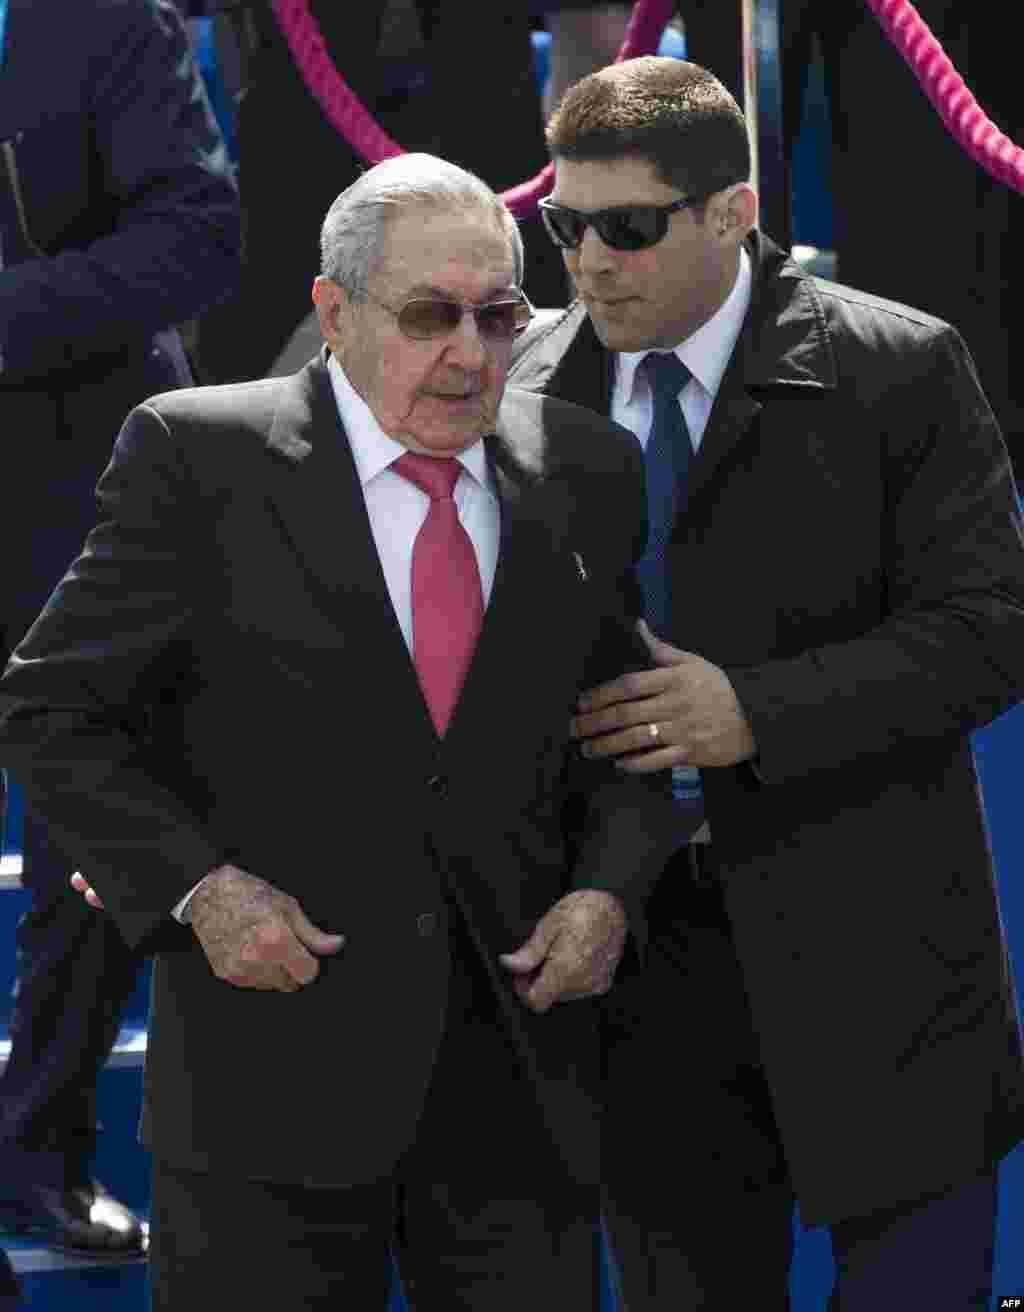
(75, 972)
(480, 1207)
(699, 1203)
(75, 975)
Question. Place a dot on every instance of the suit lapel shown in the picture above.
(319, 500)
(320, 503)
(524, 569)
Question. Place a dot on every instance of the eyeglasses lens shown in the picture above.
(498, 321)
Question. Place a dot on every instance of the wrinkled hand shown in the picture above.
(699, 718)
(255, 936)
(572, 953)
(79, 884)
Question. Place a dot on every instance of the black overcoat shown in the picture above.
(851, 555)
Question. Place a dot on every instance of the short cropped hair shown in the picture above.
(674, 114)
(353, 235)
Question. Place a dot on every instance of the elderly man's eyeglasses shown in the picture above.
(623, 228)
(427, 317)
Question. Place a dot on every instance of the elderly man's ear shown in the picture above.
(332, 306)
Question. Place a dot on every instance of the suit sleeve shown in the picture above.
(80, 692)
(627, 825)
(176, 241)
(948, 656)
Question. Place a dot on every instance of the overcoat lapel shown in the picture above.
(732, 415)
(734, 409)
(783, 345)
(318, 498)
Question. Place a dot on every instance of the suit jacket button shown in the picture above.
(426, 924)
(438, 785)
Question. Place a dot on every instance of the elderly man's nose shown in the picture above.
(466, 346)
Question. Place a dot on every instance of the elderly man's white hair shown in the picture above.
(354, 231)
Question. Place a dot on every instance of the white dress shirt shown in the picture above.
(397, 508)
(706, 354)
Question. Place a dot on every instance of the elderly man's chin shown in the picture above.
(447, 426)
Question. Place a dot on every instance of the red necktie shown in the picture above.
(447, 599)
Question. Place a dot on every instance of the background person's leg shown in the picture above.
(75, 972)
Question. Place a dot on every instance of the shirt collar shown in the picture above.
(706, 352)
(372, 449)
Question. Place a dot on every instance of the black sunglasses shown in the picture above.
(496, 321)
(623, 228)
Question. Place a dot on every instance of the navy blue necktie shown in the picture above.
(667, 459)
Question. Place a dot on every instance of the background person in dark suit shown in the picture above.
(222, 683)
(845, 580)
(118, 219)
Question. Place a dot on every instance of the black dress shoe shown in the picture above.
(83, 1219)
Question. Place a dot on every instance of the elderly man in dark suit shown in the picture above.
(307, 687)
(119, 218)
(835, 593)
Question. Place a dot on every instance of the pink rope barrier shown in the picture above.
(900, 21)
(350, 117)
(964, 118)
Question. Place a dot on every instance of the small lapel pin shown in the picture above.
(580, 566)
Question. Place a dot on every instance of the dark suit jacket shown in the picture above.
(221, 677)
(118, 219)
(851, 555)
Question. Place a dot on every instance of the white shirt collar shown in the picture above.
(372, 449)
(706, 353)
